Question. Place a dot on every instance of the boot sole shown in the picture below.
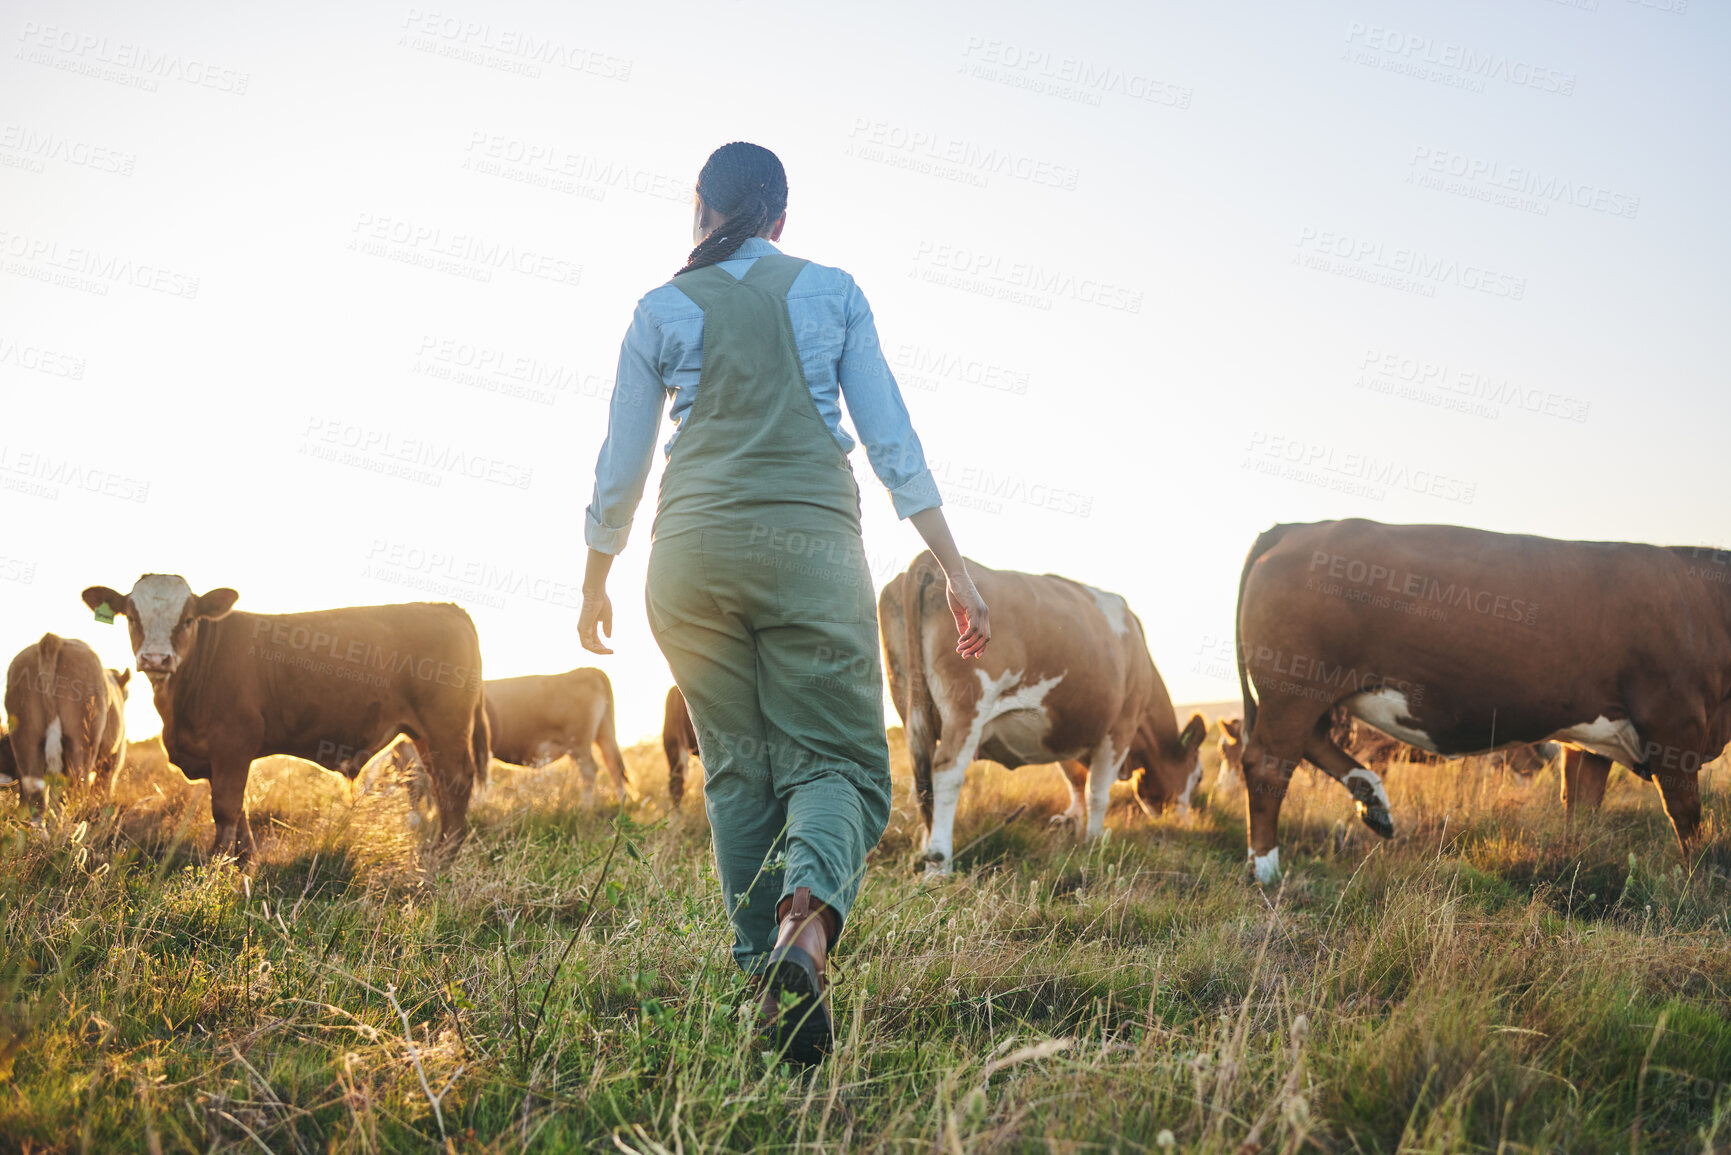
(803, 1033)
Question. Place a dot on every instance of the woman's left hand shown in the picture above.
(597, 612)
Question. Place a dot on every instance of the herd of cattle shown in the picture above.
(1354, 640)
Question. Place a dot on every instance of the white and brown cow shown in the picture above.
(1067, 679)
(678, 742)
(331, 686)
(1461, 641)
(65, 719)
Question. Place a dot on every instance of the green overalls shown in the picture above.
(760, 597)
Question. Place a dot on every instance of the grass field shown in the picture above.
(1487, 981)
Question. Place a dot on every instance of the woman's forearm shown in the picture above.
(936, 531)
(595, 571)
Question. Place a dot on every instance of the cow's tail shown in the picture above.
(607, 737)
(1264, 542)
(921, 716)
(47, 673)
(481, 742)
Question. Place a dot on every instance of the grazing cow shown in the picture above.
(332, 686)
(1461, 641)
(66, 717)
(539, 718)
(678, 742)
(1067, 679)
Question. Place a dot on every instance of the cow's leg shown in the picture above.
(451, 767)
(1102, 772)
(1360, 781)
(948, 771)
(1584, 778)
(228, 778)
(584, 757)
(676, 765)
(1267, 775)
(1076, 778)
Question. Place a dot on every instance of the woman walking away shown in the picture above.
(758, 589)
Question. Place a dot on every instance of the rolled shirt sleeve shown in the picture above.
(874, 402)
(633, 418)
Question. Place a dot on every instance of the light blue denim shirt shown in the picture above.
(662, 356)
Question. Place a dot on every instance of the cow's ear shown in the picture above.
(121, 677)
(1233, 726)
(107, 603)
(216, 603)
(1193, 732)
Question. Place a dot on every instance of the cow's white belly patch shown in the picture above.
(1383, 709)
(1013, 710)
(1617, 740)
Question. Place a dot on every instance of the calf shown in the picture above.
(539, 718)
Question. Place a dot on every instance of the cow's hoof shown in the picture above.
(934, 865)
(1378, 819)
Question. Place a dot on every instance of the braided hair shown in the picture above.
(746, 184)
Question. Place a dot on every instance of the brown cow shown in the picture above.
(331, 686)
(678, 742)
(1461, 641)
(1068, 679)
(539, 718)
(66, 717)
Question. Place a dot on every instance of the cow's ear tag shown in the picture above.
(104, 614)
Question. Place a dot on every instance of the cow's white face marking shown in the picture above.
(1116, 611)
(1383, 709)
(51, 750)
(1617, 740)
(158, 600)
(1266, 866)
(1370, 779)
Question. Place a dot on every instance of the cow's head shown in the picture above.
(1170, 770)
(163, 614)
(1232, 743)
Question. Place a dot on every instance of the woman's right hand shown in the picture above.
(973, 628)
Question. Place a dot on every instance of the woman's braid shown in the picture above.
(746, 184)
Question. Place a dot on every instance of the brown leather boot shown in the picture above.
(801, 1029)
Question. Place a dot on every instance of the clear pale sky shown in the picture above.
(1155, 276)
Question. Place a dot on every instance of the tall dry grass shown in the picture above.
(1489, 980)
